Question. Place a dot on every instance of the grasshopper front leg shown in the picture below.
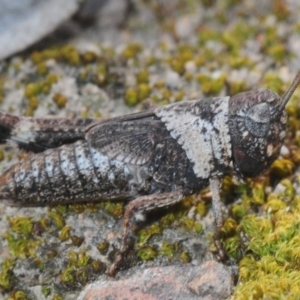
(217, 208)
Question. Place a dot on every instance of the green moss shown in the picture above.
(146, 233)
(68, 276)
(22, 247)
(237, 87)
(21, 225)
(144, 91)
(32, 90)
(185, 257)
(57, 297)
(201, 209)
(238, 211)
(102, 73)
(273, 82)
(57, 219)
(46, 291)
(208, 3)
(229, 227)
(70, 55)
(282, 168)
(97, 266)
(280, 9)
(146, 253)
(209, 34)
(278, 52)
(143, 76)
(18, 295)
(178, 65)
(65, 233)
(114, 208)
(167, 249)
(6, 274)
(89, 57)
(179, 96)
(209, 86)
(77, 240)
(42, 68)
(238, 62)
(60, 100)
(131, 97)
(103, 247)
(132, 50)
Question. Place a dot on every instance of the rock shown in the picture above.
(211, 280)
(23, 22)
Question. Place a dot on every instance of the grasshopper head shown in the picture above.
(257, 124)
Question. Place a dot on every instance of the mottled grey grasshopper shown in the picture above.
(152, 159)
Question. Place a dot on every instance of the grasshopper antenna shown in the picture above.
(286, 97)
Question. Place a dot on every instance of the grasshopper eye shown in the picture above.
(257, 120)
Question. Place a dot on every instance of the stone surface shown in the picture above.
(210, 280)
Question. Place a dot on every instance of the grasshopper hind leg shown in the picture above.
(141, 204)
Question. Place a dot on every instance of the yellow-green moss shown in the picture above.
(167, 249)
(46, 290)
(6, 274)
(21, 225)
(57, 219)
(131, 97)
(132, 50)
(60, 100)
(103, 247)
(146, 253)
(146, 233)
(18, 295)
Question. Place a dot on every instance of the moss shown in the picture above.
(131, 97)
(21, 225)
(18, 295)
(185, 257)
(146, 253)
(89, 57)
(77, 240)
(6, 274)
(146, 233)
(102, 73)
(179, 96)
(278, 52)
(280, 9)
(144, 91)
(282, 168)
(103, 247)
(42, 68)
(80, 269)
(201, 209)
(57, 219)
(46, 291)
(143, 76)
(22, 247)
(32, 90)
(208, 3)
(68, 276)
(60, 100)
(65, 233)
(210, 86)
(114, 208)
(57, 297)
(273, 82)
(132, 50)
(70, 55)
(167, 249)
